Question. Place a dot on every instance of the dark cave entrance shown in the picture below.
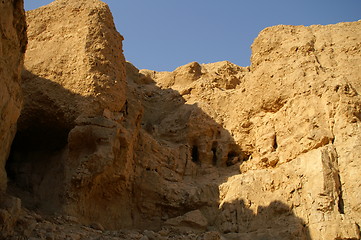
(195, 155)
(236, 155)
(36, 161)
(214, 151)
(275, 144)
(231, 158)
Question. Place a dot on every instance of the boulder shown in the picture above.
(191, 220)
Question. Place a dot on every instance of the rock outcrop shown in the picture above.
(13, 42)
(208, 151)
(97, 147)
(12, 49)
(74, 99)
(297, 109)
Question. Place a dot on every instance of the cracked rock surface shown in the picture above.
(104, 150)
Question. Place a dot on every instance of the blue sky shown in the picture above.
(164, 34)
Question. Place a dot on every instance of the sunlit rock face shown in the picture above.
(12, 48)
(296, 112)
(13, 42)
(269, 151)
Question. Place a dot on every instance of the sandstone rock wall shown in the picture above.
(323, 101)
(85, 30)
(99, 153)
(74, 95)
(269, 151)
(13, 42)
(12, 49)
(297, 100)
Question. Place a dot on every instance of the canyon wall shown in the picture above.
(74, 98)
(12, 49)
(296, 112)
(219, 151)
(13, 42)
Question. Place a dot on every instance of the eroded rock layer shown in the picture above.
(12, 49)
(74, 94)
(269, 151)
(297, 109)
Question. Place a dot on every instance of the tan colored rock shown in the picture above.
(194, 219)
(94, 75)
(12, 48)
(74, 89)
(309, 187)
(70, 69)
(154, 148)
(298, 96)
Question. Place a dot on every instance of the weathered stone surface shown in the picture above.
(12, 48)
(297, 97)
(13, 42)
(269, 151)
(194, 220)
(74, 94)
(309, 187)
(83, 56)
(10, 208)
(74, 67)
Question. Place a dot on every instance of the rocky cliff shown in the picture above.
(296, 112)
(74, 98)
(12, 49)
(208, 151)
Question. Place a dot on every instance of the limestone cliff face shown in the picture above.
(74, 95)
(74, 64)
(297, 109)
(12, 49)
(259, 152)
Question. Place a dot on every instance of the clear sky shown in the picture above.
(164, 34)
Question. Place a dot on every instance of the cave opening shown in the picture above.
(214, 151)
(275, 144)
(195, 155)
(232, 158)
(35, 163)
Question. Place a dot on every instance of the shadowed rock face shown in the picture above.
(74, 94)
(269, 151)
